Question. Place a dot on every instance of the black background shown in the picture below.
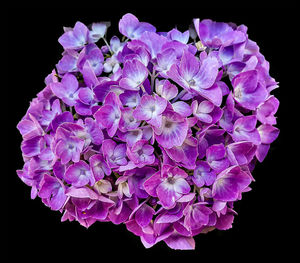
(267, 220)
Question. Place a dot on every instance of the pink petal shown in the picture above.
(167, 194)
(182, 108)
(144, 215)
(151, 184)
(177, 241)
(181, 186)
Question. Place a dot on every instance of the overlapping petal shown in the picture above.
(150, 129)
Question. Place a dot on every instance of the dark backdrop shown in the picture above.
(267, 217)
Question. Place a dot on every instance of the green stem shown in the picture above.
(143, 88)
(105, 41)
(196, 128)
(153, 76)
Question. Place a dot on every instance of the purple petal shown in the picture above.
(70, 83)
(186, 153)
(29, 129)
(181, 186)
(89, 74)
(166, 90)
(68, 63)
(130, 26)
(262, 151)
(165, 60)
(208, 72)
(174, 34)
(151, 184)
(98, 31)
(61, 118)
(144, 215)
(102, 89)
(86, 95)
(150, 108)
(189, 66)
(182, 108)
(265, 112)
(99, 167)
(268, 133)
(33, 146)
(173, 130)
(134, 74)
(108, 147)
(167, 194)
(82, 192)
(247, 90)
(177, 241)
(154, 42)
(78, 174)
(108, 116)
(203, 174)
(52, 189)
(75, 38)
(214, 94)
(244, 130)
(224, 222)
(130, 98)
(230, 183)
(241, 153)
(215, 152)
(128, 122)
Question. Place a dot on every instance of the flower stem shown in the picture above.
(153, 76)
(158, 156)
(143, 88)
(180, 95)
(105, 41)
(143, 123)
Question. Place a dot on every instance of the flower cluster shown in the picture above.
(156, 130)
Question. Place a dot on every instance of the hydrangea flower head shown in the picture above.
(156, 130)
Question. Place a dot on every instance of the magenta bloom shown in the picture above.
(66, 89)
(266, 110)
(168, 185)
(203, 174)
(196, 77)
(52, 192)
(196, 215)
(248, 91)
(166, 90)
(206, 111)
(268, 134)
(230, 183)
(185, 154)
(173, 130)
(134, 74)
(159, 131)
(150, 109)
(109, 114)
(99, 167)
(79, 174)
(94, 56)
(86, 206)
(244, 129)
(241, 153)
(216, 157)
(131, 27)
(215, 34)
(68, 146)
(114, 154)
(75, 38)
(141, 153)
(165, 60)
